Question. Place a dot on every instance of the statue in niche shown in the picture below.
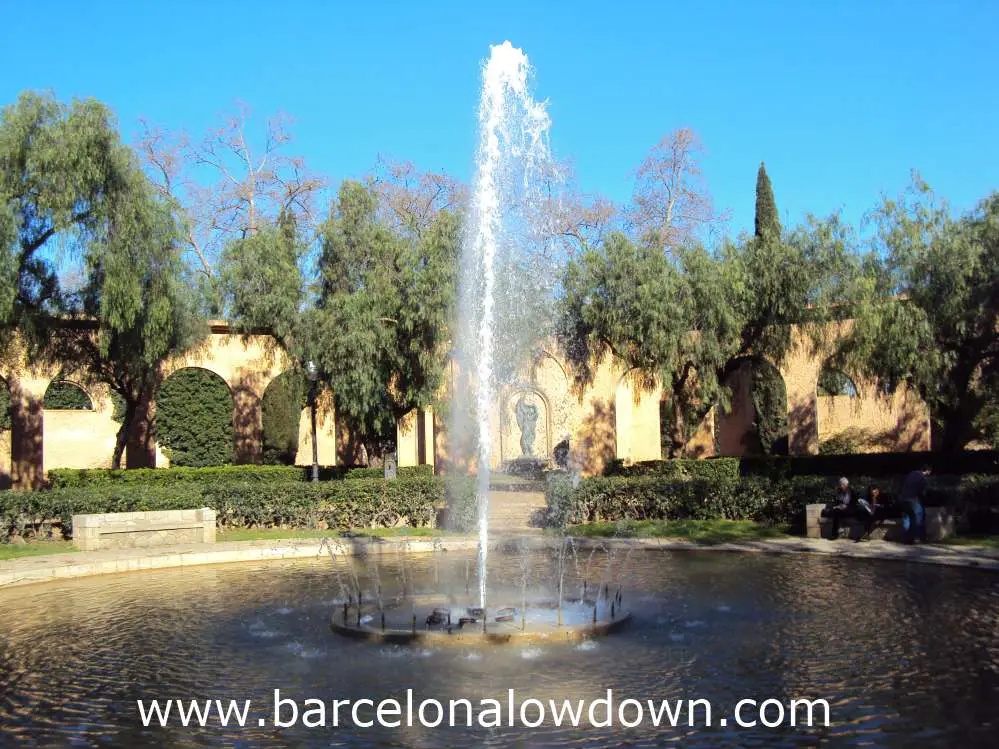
(527, 420)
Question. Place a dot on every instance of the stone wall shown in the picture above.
(613, 417)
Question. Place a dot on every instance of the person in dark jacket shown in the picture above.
(911, 501)
(870, 511)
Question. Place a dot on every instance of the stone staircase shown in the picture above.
(513, 511)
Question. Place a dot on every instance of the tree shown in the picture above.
(689, 320)
(229, 185)
(60, 165)
(137, 308)
(672, 205)
(66, 180)
(383, 315)
(409, 200)
(767, 222)
(929, 317)
(668, 321)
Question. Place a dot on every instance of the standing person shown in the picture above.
(913, 511)
(840, 507)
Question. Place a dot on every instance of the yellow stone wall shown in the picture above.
(612, 418)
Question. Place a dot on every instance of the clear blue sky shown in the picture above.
(841, 99)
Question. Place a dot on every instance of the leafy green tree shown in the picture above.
(668, 320)
(691, 320)
(767, 221)
(264, 285)
(61, 167)
(383, 316)
(929, 317)
(66, 178)
(143, 311)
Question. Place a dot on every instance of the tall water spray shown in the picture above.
(512, 155)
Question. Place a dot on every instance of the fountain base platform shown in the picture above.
(442, 620)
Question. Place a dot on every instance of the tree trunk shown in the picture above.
(140, 447)
(122, 437)
(678, 430)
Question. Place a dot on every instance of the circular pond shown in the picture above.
(905, 655)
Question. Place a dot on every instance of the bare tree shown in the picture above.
(567, 220)
(229, 184)
(671, 202)
(410, 199)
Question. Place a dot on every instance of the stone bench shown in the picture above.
(132, 530)
(939, 525)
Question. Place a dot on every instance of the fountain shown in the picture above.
(501, 270)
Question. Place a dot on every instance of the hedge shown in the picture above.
(757, 498)
(60, 478)
(877, 465)
(66, 396)
(281, 414)
(335, 505)
(679, 468)
(194, 413)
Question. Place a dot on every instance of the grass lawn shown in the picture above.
(698, 531)
(265, 534)
(989, 542)
(35, 549)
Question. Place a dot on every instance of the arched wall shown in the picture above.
(602, 420)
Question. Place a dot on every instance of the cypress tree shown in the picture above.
(767, 222)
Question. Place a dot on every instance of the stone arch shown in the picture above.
(833, 383)
(193, 428)
(65, 395)
(637, 426)
(738, 431)
(530, 428)
(550, 377)
(282, 407)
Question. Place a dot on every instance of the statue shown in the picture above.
(562, 454)
(527, 419)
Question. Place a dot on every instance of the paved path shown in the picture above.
(82, 564)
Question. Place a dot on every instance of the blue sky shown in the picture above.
(841, 99)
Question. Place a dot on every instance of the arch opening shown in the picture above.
(194, 418)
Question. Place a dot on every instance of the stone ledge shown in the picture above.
(31, 570)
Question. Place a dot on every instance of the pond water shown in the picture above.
(906, 655)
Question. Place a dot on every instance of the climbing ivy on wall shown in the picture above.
(769, 398)
(66, 396)
(281, 412)
(194, 419)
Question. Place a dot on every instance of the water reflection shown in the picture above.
(907, 655)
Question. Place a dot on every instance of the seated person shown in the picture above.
(870, 511)
(840, 507)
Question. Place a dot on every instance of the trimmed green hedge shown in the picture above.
(757, 498)
(679, 468)
(66, 396)
(336, 505)
(61, 478)
(194, 411)
(877, 465)
(281, 413)
(881, 465)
